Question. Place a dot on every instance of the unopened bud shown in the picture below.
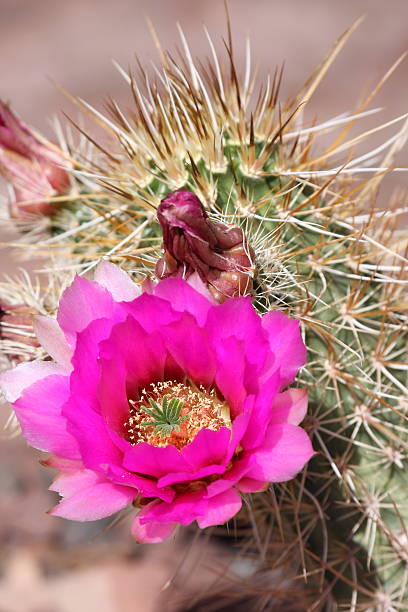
(16, 329)
(32, 167)
(192, 242)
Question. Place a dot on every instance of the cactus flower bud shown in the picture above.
(16, 328)
(194, 243)
(33, 168)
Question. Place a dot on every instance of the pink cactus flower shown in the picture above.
(163, 400)
(33, 168)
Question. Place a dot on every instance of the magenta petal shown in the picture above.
(39, 413)
(207, 447)
(261, 413)
(142, 354)
(147, 487)
(117, 282)
(184, 298)
(220, 509)
(289, 407)
(94, 502)
(203, 472)
(284, 452)
(286, 344)
(189, 346)
(53, 340)
(183, 509)
(151, 532)
(237, 318)
(151, 312)
(154, 460)
(238, 470)
(83, 302)
(14, 382)
(230, 373)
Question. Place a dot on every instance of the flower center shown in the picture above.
(169, 412)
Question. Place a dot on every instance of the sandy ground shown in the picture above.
(46, 564)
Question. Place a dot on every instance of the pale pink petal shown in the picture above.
(184, 298)
(220, 509)
(71, 481)
(53, 340)
(151, 532)
(117, 282)
(94, 502)
(39, 413)
(196, 283)
(289, 407)
(14, 382)
(286, 344)
(80, 304)
(285, 451)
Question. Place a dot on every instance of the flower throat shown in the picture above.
(172, 413)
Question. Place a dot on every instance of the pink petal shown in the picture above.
(80, 304)
(261, 412)
(39, 413)
(150, 312)
(289, 407)
(284, 453)
(184, 298)
(94, 502)
(146, 486)
(183, 509)
(154, 460)
(230, 373)
(141, 355)
(189, 346)
(117, 282)
(286, 344)
(209, 470)
(53, 340)
(207, 447)
(14, 382)
(151, 532)
(70, 482)
(196, 283)
(194, 506)
(220, 509)
(237, 318)
(230, 479)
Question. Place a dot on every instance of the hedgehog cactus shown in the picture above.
(322, 251)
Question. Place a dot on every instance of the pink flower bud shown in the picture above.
(32, 167)
(193, 242)
(16, 327)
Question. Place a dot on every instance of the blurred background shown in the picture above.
(47, 564)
